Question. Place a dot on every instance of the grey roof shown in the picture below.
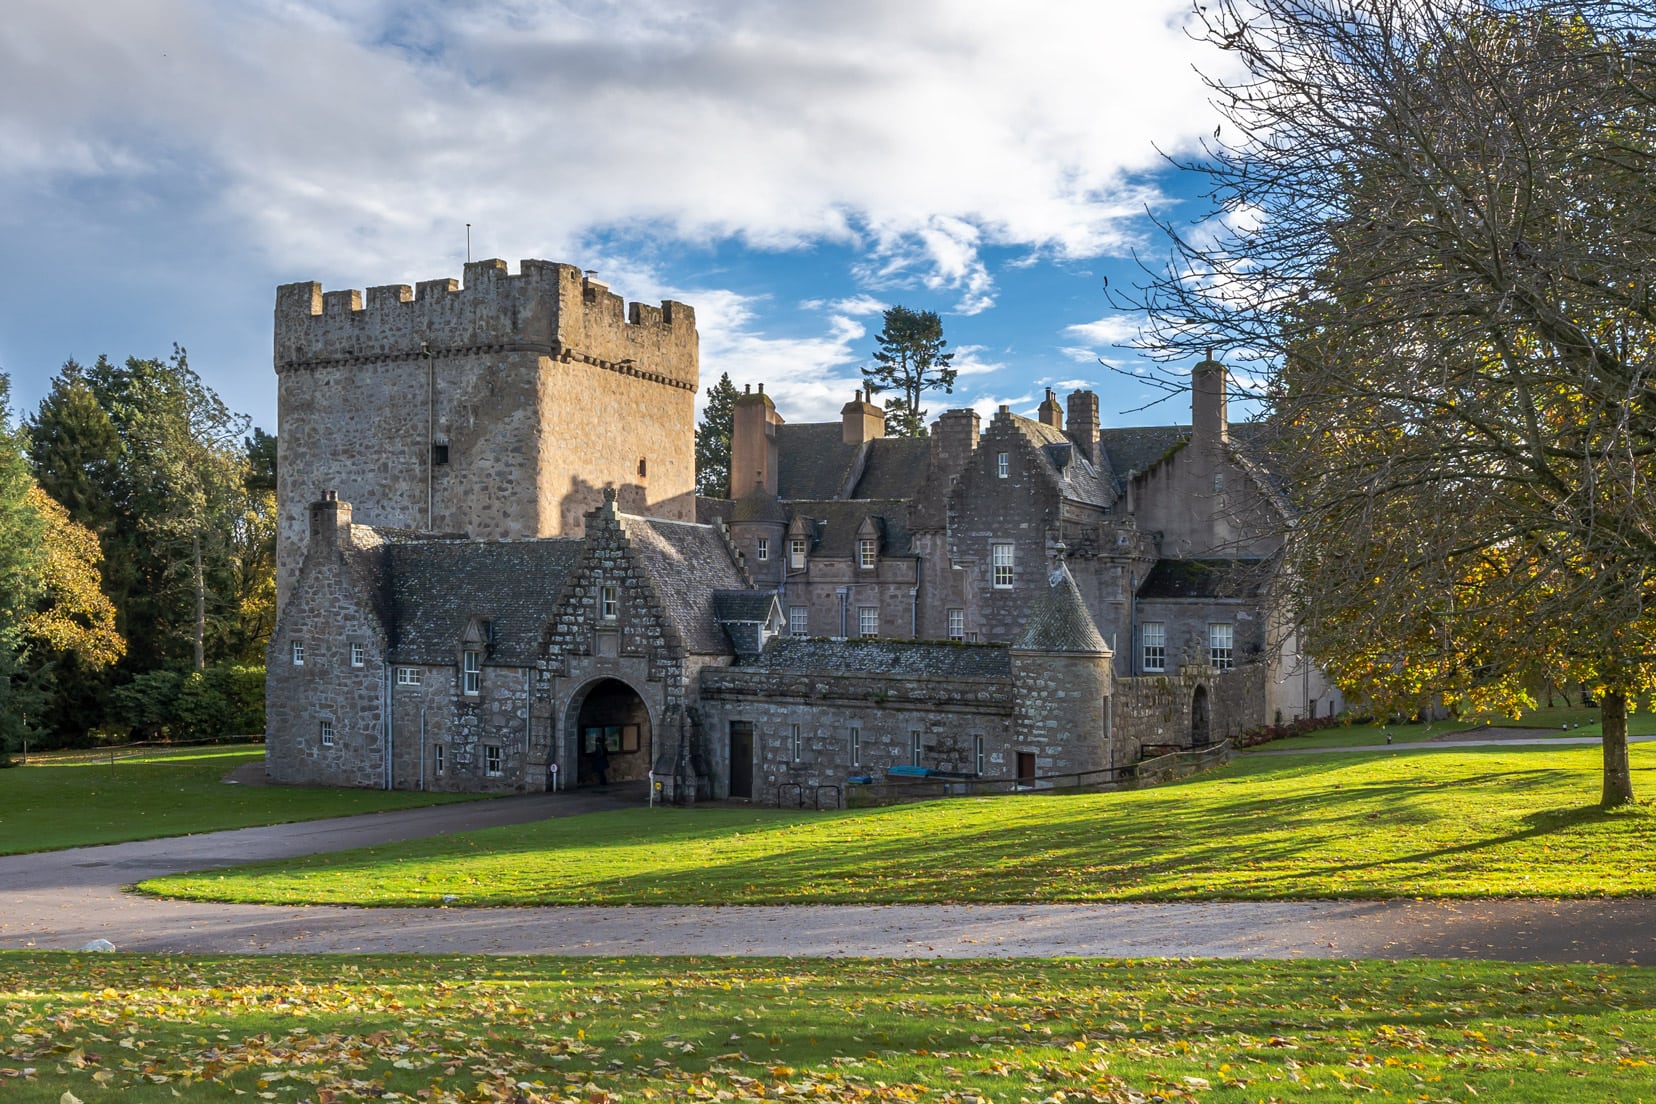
(743, 605)
(1136, 449)
(812, 460)
(895, 468)
(709, 510)
(1213, 578)
(1059, 621)
(756, 505)
(898, 658)
(1075, 475)
(686, 563)
(843, 517)
(438, 586)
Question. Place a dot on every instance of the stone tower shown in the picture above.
(502, 408)
(1061, 668)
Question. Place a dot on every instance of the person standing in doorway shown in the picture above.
(600, 764)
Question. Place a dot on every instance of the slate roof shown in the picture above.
(709, 510)
(1078, 480)
(812, 460)
(1059, 621)
(1212, 578)
(686, 563)
(438, 586)
(896, 467)
(898, 658)
(844, 516)
(1134, 450)
(743, 605)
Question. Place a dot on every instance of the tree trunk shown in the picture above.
(201, 617)
(1618, 780)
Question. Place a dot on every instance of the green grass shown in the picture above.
(1545, 722)
(56, 802)
(596, 1031)
(1450, 824)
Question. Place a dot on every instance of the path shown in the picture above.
(63, 899)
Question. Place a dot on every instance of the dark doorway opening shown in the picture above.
(612, 733)
(741, 759)
(1199, 718)
(1026, 768)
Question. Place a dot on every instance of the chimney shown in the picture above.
(753, 443)
(1050, 415)
(1082, 426)
(1207, 402)
(330, 519)
(861, 420)
(954, 436)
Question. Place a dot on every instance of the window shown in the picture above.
(408, 676)
(799, 621)
(796, 552)
(471, 672)
(914, 746)
(609, 606)
(439, 452)
(297, 648)
(1221, 645)
(865, 553)
(643, 468)
(437, 758)
(359, 655)
(1154, 636)
(798, 743)
(1218, 482)
(977, 753)
(1000, 556)
(491, 758)
(327, 734)
(856, 746)
(868, 620)
(957, 624)
(1003, 464)
(762, 551)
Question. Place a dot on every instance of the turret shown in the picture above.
(1061, 667)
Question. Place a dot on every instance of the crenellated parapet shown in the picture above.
(547, 309)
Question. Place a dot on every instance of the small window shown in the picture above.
(643, 468)
(408, 676)
(914, 746)
(491, 759)
(865, 553)
(609, 605)
(327, 734)
(957, 624)
(799, 621)
(1154, 636)
(977, 754)
(297, 650)
(761, 551)
(471, 672)
(1000, 557)
(796, 553)
(868, 620)
(798, 744)
(359, 655)
(1003, 464)
(1218, 482)
(439, 453)
(1221, 646)
(437, 763)
(856, 746)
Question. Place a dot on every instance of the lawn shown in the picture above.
(597, 1031)
(1450, 824)
(1582, 721)
(57, 802)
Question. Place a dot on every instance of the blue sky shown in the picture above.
(788, 169)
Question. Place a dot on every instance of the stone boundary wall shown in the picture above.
(1155, 709)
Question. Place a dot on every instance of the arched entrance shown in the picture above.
(611, 727)
(1199, 718)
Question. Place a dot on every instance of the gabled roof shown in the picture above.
(898, 658)
(1074, 475)
(1059, 621)
(895, 468)
(744, 615)
(1210, 578)
(1135, 450)
(843, 517)
(438, 586)
(686, 563)
(812, 460)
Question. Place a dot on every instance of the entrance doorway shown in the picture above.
(741, 759)
(1199, 718)
(1026, 768)
(612, 735)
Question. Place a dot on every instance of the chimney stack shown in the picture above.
(954, 436)
(753, 443)
(330, 520)
(1050, 415)
(1082, 425)
(861, 420)
(1208, 424)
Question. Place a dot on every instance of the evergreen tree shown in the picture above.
(910, 360)
(713, 439)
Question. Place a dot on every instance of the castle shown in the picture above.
(492, 564)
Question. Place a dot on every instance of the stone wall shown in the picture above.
(1155, 710)
(1059, 711)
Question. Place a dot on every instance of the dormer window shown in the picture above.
(471, 671)
(796, 553)
(609, 603)
(865, 553)
(1003, 464)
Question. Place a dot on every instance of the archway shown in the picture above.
(1199, 717)
(612, 735)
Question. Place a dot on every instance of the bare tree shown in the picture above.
(1431, 232)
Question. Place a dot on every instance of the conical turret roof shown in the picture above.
(1059, 621)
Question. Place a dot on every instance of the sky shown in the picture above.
(789, 169)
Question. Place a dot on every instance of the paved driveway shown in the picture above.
(63, 899)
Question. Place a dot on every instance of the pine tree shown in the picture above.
(910, 360)
(713, 439)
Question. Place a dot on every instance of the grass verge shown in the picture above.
(1452, 824)
(47, 805)
(1584, 722)
(536, 1031)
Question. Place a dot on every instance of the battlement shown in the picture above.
(551, 309)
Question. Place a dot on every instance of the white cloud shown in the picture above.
(1079, 353)
(969, 361)
(1112, 329)
(852, 305)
